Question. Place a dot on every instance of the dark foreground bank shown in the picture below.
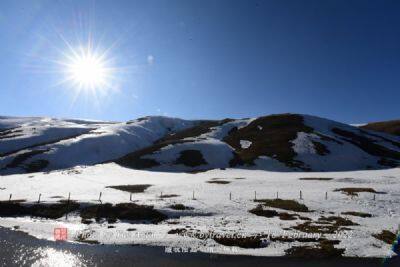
(20, 249)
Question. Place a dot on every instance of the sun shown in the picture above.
(87, 70)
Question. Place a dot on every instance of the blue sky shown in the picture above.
(206, 59)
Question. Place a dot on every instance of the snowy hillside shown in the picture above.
(286, 142)
(33, 144)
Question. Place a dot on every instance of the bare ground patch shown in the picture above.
(316, 179)
(270, 136)
(285, 204)
(179, 207)
(191, 158)
(325, 225)
(353, 191)
(137, 188)
(386, 236)
(51, 211)
(122, 211)
(259, 211)
(218, 182)
(168, 196)
(357, 214)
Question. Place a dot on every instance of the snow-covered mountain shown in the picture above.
(33, 144)
(285, 142)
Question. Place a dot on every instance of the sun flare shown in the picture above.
(87, 70)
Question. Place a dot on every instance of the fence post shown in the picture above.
(39, 198)
(277, 195)
(161, 194)
(230, 196)
(130, 197)
(100, 197)
(69, 197)
(10, 198)
(301, 195)
(193, 195)
(255, 195)
(374, 196)
(326, 195)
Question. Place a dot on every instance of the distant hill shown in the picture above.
(390, 127)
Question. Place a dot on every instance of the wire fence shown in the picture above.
(194, 195)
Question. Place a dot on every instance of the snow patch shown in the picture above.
(245, 144)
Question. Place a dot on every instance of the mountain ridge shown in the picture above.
(278, 142)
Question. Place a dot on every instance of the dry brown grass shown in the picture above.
(259, 211)
(337, 220)
(386, 236)
(179, 207)
(358, 214)
(273, 139)
(390, 127)
(122, 211)
(285, 204)
(320, 148)
(353, 191)
(325, 225)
